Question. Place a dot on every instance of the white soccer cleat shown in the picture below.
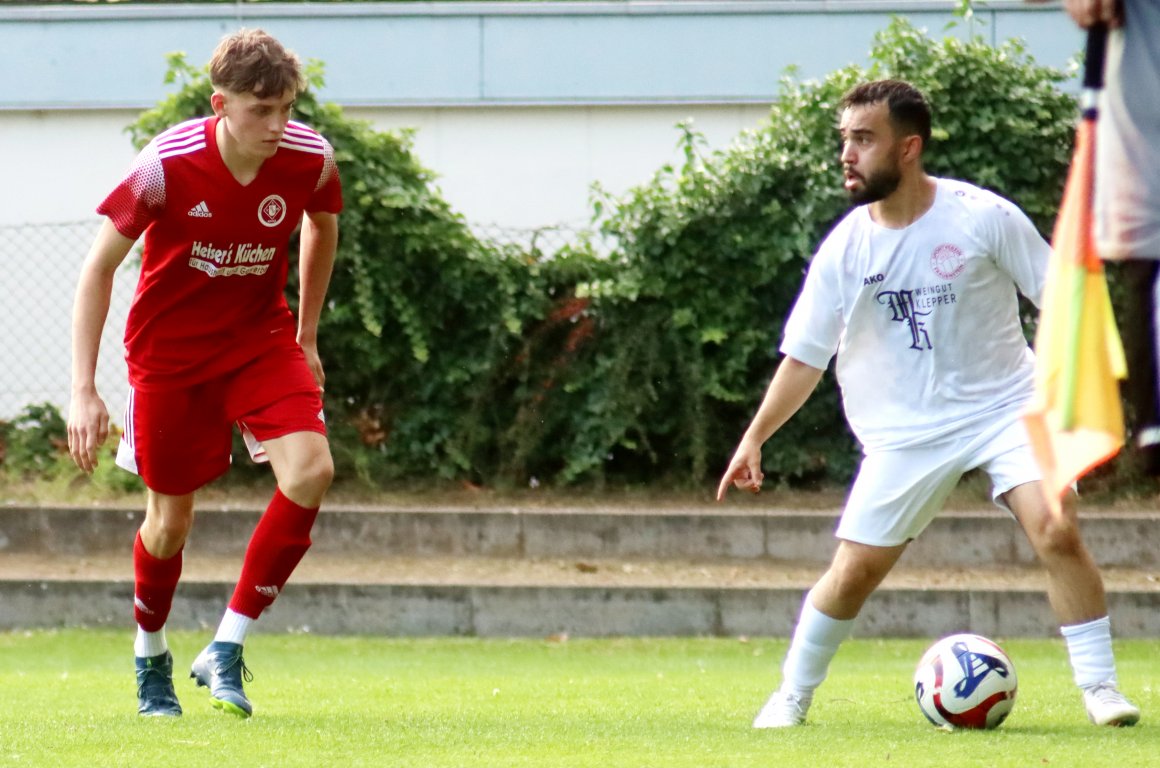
(1107, 706)
(783, 710)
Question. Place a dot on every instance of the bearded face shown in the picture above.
(871, 153)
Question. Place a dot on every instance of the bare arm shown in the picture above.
(791, 387)
(88, 419)
(1087, 13)
(319, 241)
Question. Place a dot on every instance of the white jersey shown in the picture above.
(1128, 138)
(925, 319)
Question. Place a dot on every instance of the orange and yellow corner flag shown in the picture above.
(1076, 421)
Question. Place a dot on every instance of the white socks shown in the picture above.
(150, 644)
(233, 628)
(815, 641)
(1090, 648)
(817, 637)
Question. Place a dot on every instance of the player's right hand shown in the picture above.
(1087, 13)
(744, 471)
(88, 428)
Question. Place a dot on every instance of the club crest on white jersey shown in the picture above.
(948, 261)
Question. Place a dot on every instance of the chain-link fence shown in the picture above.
(548, 240)
(40, 264)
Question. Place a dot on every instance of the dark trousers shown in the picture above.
(1138, 329)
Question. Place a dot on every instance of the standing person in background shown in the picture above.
(915, 290)
(211, 342)
(1127, 196)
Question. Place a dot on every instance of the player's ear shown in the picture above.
(912, 148)
(218, 102)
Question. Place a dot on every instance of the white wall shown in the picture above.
(513, 166)
(533, 166)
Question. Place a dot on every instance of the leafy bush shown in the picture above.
(427, 330)
(453, 357)
(34, 448)
(713, 255)
(31, 443)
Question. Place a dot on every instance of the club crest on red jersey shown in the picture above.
(272, 211)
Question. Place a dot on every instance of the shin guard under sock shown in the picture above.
(155, 581)
(280, 540)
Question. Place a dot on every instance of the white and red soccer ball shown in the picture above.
(965, 681)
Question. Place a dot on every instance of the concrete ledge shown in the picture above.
(421, 610)
(983, 538)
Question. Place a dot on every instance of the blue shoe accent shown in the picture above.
(155, 694)
(221, 669)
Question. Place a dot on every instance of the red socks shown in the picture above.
(155, 583)
(280, 540)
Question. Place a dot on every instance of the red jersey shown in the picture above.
(213, 270)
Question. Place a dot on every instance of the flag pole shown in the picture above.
(1093, 83)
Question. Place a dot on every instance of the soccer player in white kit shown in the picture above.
(915, 290)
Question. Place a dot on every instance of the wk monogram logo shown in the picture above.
(200, 211)
(901, 304)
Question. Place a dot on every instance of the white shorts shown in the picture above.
(897, 493)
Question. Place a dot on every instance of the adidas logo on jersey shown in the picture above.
(200, 211)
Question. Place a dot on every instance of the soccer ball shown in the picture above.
(965, 681)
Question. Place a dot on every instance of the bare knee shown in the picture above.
(856, 578)
(1053, 537)
(168, 521)
(854, 574)
(308, 480)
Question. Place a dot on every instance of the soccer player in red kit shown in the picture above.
(211, 342)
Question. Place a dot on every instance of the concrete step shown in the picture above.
(964, 538)
(497, 596)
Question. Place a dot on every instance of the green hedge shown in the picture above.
(713, 253)
(449, 356)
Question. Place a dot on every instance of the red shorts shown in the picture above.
(178, 440)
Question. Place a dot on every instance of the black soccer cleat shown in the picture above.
(155, 694)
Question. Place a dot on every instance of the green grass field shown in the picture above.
(67, 699)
